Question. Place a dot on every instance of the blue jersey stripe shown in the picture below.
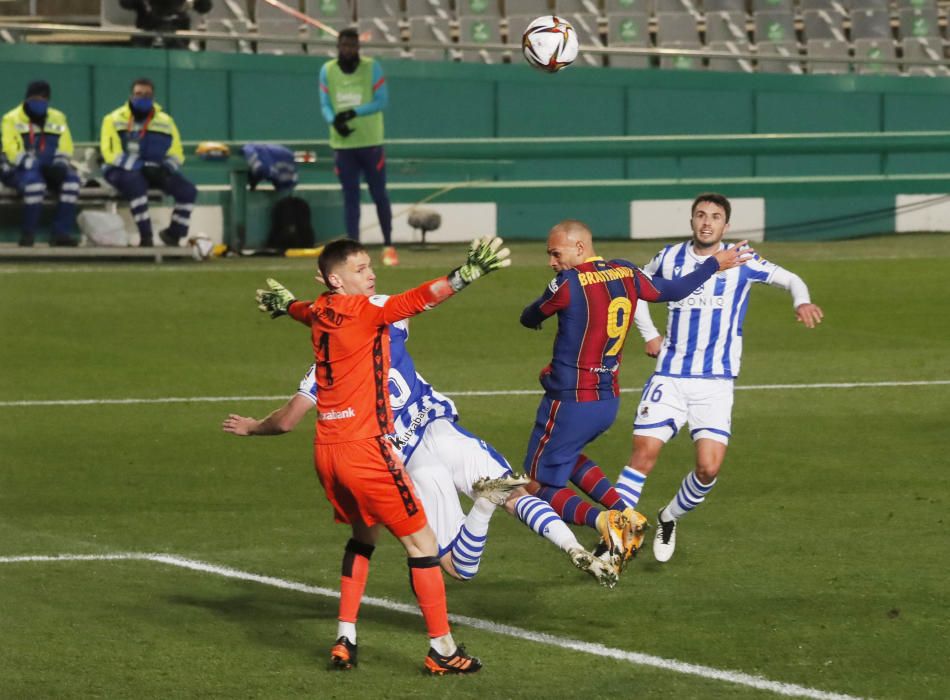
(674, 324)
(711, 344)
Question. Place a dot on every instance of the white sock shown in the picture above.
(469, 544)
(541, 517)
(692, 492)
(630, 485)
(346, 629)
(444, 645)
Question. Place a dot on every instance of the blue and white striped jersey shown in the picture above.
(704, 330)
(415, 403)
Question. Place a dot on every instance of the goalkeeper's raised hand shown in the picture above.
(276, 299)
(484, 256)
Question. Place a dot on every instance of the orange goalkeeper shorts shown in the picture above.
(366, 480)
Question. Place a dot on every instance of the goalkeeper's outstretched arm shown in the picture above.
(278, 422)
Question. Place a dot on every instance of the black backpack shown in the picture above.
(290, 225)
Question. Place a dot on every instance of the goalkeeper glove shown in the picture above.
(484, 256)
(276, 300)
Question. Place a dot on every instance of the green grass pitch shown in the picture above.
(820, 559)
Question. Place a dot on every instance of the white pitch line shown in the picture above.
(490, 392)
(635, 658)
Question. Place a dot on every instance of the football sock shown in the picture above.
(469, 544)
(541, 518)
(346, 629)
(425, 578)
(692, 492)
(356, 558)
(571, 507)
(444, 644)
(590, 479)
(630, 485)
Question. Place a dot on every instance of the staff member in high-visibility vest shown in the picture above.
(353, 95)
(37, 146)
(141, 148)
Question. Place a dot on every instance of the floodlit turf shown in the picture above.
(819, 560)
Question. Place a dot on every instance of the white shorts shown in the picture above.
(446, 462)
(668, 403)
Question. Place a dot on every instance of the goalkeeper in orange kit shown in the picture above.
(360, 470)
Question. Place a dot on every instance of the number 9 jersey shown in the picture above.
(594, 302)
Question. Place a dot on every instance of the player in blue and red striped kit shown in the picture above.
(594, 300)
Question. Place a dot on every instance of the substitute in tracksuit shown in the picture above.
(353, 95)
(37, 146)
(141, 148)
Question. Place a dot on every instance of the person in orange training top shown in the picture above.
(360, 470)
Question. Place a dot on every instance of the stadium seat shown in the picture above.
(759, 6)
(626, 7)
(431, 29)
(824, 25)
(294, 33)
(428, 8)
(112, 15)
(917, 4)
(226, 17)
(477, 8)
(330, 10)
(678, 30)
(535, 8)
(724, 6)
(725, 26)
(883, 5)
(919, 24)
(818, 49)
(839, 7)
(588, 35)
(777, 26)
(630, 30)
(929, 49)
(480, 30)
(375, 9)
(870, 24)
(730, 65)
(386, 30)
(689, 7)
(789, 49)
(873, 50)
(572, 8)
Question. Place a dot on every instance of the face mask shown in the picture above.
(141, 105)
(36, 108)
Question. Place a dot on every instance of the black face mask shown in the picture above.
(348, 65)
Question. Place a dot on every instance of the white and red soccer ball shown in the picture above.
(549, 43)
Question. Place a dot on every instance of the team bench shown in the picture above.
(89, 196)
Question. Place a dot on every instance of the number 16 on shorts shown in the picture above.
(669, 403)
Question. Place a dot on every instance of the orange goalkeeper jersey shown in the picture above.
(351, 347)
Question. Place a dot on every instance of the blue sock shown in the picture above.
(630, 485)
(692, 492)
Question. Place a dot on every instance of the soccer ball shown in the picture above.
(549, 43)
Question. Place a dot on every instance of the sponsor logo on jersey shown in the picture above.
(400, 441)
(693, 302)
(337, 415)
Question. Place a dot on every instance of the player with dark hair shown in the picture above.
(697, 362)
(359, 468)
(594, 300)
(37, 147)
(353, 95)
(141, 148)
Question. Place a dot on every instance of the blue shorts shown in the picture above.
(561, 431)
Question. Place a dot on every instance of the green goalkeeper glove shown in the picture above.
(275, 300)
(484, 256)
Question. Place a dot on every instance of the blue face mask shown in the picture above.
(141, 105)
(35, 107)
